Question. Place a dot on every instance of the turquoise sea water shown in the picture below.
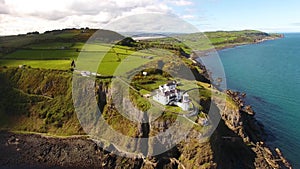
(269, 73)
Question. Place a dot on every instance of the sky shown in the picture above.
(22, 16)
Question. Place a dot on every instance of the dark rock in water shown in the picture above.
(248, 109)
(243, 123)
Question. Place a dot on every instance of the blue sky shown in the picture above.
(266, 15)
(19, 16)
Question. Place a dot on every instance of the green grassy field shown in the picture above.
(116, 60)
(47, 56)
(40, 54)
(56, 49)
(50, 45)
(105, 58)
(53, 49)
(45, 64)
(25, 40)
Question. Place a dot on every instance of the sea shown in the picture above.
(269, 73)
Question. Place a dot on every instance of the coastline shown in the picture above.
(257, 42)
(273, 154)
(255, 133)
(204, 53)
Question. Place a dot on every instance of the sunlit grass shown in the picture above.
(45, 64)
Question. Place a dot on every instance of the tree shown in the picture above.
(128, 41)
(73, 63)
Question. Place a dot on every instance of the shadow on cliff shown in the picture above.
(13, 103)
(229, 149)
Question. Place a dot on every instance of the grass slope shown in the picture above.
(40, 100)
(37, 100)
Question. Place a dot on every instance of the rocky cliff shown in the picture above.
(236, 143)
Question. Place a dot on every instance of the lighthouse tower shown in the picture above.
(185, 103)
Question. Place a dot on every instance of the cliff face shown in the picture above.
(246, 135)
(236, 143)
(187, 154)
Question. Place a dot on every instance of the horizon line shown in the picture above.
(281, 32)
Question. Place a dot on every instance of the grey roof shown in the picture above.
(170, 84)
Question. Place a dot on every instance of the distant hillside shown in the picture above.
(210, 40)
(57, 48)
(224, 39)
(9, 44)
(217, 39)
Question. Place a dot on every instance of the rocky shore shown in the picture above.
(24, 151)
(244, 123)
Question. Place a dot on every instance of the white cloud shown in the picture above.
(20, 7)
(15, 25)
(3, 7)
(151, 22)
(22, 16)
(182, 2)
(187, 16)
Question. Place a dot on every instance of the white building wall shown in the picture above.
(161, 99)
(184, 106)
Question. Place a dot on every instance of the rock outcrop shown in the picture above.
(242, 123)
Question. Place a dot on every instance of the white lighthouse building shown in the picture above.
(168, 94)
(185, 102)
